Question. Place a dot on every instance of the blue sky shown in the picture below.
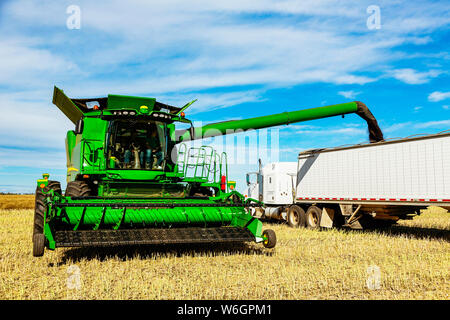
(239, 58)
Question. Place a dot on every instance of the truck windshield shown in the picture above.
(137, 145)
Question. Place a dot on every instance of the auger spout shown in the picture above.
(284, 118)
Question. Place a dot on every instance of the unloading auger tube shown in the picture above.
(233, 126)
(124, 188)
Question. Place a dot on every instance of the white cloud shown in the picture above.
(438, 96)
(210, 102)
(302, 127)
(32, 122)
(411, 76)
(396, 127)
(341, 131)
(32, 158)
(210, 43)
(26, 65)
(349, 94)
(439, 124)
(433, 124)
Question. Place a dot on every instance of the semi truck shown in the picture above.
(357, 186)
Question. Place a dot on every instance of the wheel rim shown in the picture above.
(294, 218)
(313, 219)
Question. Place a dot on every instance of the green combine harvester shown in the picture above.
(132, 180)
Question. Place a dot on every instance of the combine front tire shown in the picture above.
(40, 207)
(296, 217)
(270, 238)
(78, 189)
(39, 212)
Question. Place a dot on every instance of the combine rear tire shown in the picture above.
(78, 189)
(39, 211)
(296, 217)
(270, 238)
(313, 216)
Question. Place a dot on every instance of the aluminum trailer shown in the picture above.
(368, 185)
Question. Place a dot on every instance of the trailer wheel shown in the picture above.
(78, 189)
(270, 238)
(313, 215)
(296, 217)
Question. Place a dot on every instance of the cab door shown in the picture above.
(92, 145)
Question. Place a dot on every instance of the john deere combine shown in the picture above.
(131, 180)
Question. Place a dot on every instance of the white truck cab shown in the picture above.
(274, 185)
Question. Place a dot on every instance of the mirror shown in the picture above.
(192, 131)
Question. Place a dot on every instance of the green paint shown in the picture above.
(284, 118)
(129, 102)
(48, 234)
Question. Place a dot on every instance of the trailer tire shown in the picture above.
(270, 238)
(78, 189)
(313, 216)
(296, 217)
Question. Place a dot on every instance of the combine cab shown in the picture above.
(131, 180)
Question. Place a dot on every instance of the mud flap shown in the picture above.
(327, 218)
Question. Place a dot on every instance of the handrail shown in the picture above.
(205, 163)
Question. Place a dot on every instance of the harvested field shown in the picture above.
(413, 260)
